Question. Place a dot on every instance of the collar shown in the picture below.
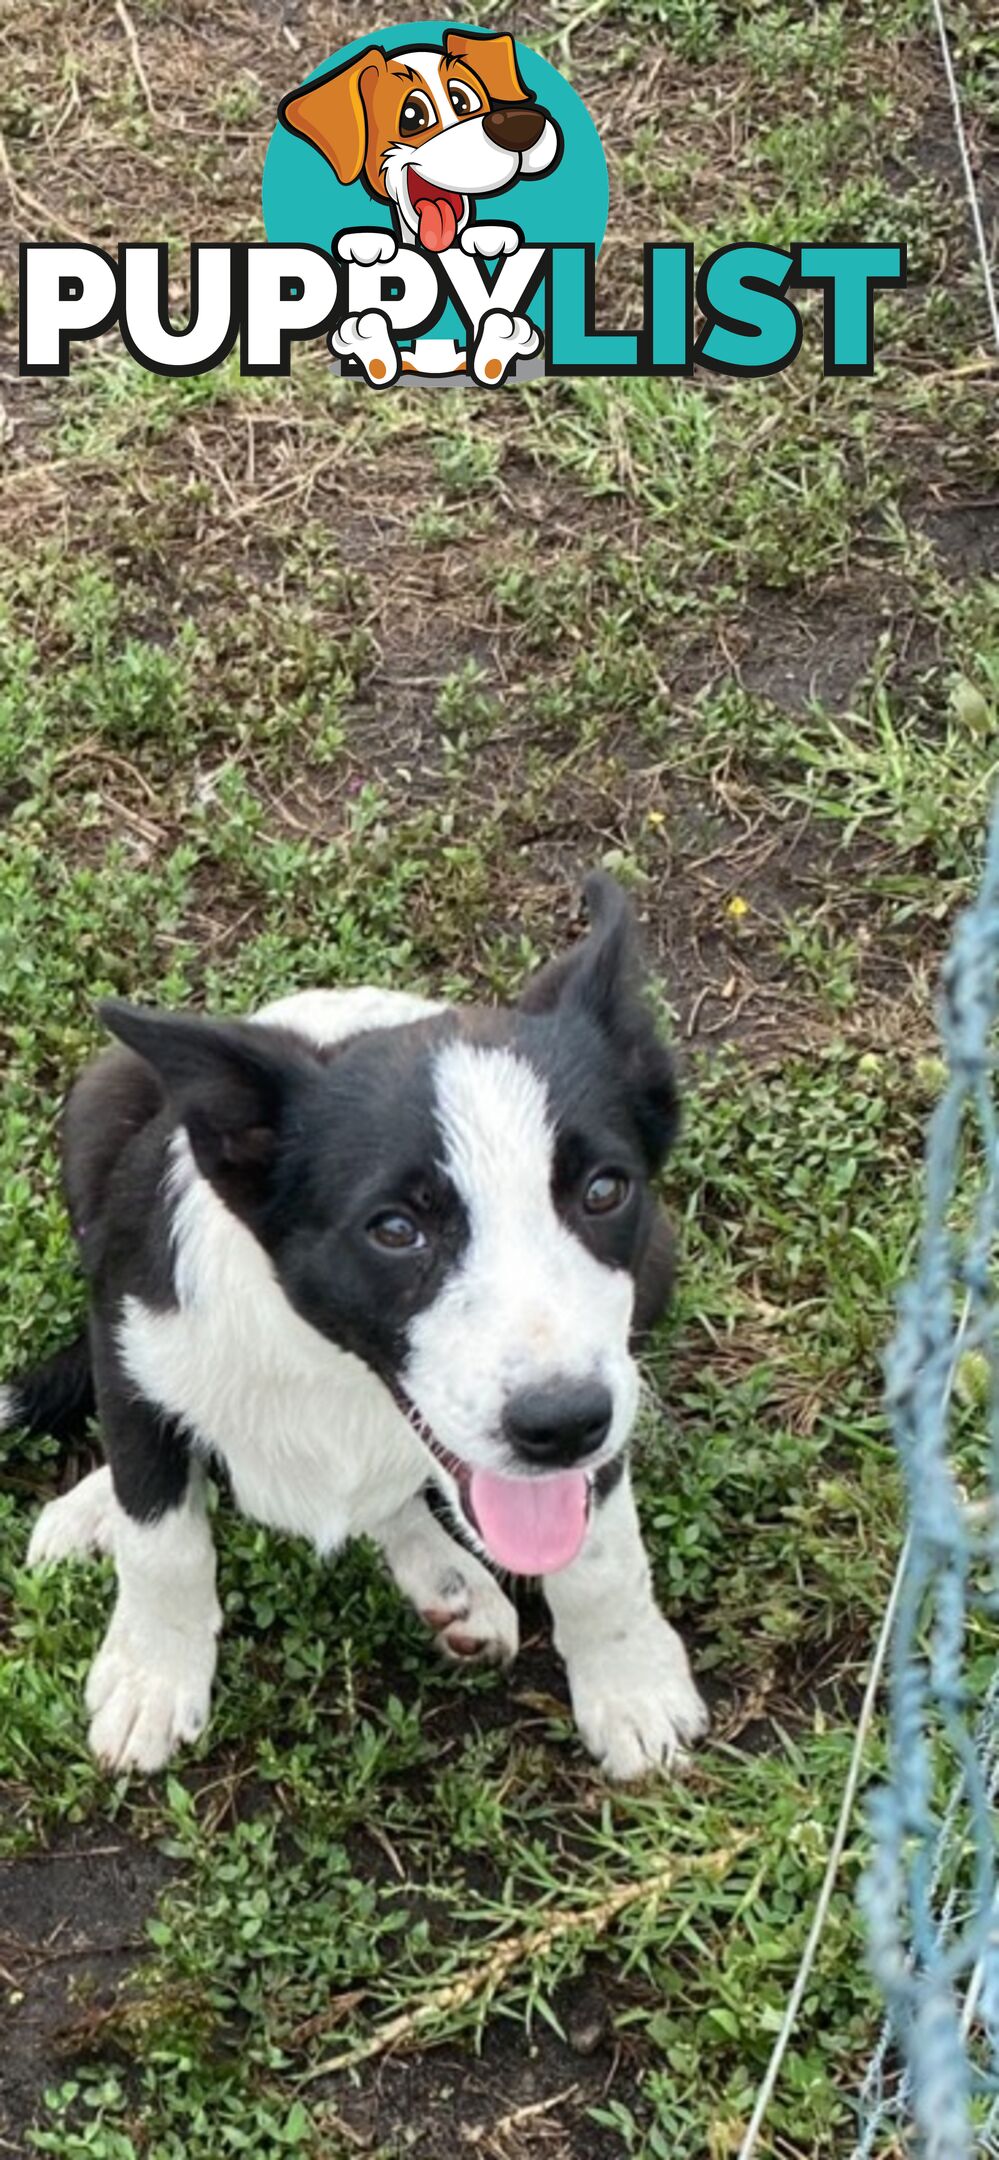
(415, 1419)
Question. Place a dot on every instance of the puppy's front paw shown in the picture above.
(473, 1620)
(635, 1702)
(78, 1523)
(143, 1710)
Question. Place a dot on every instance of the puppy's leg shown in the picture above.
(150, 1684)
(458, 1598)
(632, 1694)
(78, 1523)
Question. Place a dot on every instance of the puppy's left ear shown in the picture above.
(230, 1084)
(603, 978)
(493, 60)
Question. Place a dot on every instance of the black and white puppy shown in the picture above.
(361, 1245)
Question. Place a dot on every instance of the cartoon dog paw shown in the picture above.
(368, 339)
(490, 240)
(502, 340)
(367, 247)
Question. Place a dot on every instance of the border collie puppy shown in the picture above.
(362, 1249)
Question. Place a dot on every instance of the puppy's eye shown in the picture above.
(464, 100)
(396, 1232)
(606, 1192)
(415, 115)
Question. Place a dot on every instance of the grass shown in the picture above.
(296, 688)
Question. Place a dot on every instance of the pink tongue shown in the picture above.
(438, 223)
(532, 1526)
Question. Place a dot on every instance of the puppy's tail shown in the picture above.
(55, 1397)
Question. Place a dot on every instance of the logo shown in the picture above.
(435, 197)
(438, 165)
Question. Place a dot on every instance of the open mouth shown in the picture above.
(528, 1525)
(437, 210)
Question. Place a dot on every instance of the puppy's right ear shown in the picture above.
(602, 977)
(229, 1083)
(332, 113)
(602, 971)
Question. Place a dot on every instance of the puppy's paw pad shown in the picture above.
(439, 1618)
(451, 1600)
(78, 1523)
(457, 1643)
(485, 1630)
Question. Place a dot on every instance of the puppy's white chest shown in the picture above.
(324, 1462)
(322, 1453)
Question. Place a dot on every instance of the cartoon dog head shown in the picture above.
(427, 130)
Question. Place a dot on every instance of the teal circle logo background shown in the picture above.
(304, 201)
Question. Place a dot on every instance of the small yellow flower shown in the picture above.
(737, 907)
(656, 817)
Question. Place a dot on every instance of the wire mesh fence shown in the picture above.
(930, 1892)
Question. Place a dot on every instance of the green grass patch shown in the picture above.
(299, 686)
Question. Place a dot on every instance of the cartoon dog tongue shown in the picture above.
(437, 211)
(531, 1526)
(438, 223)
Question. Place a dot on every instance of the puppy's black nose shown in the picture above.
(554, 1427)
(515, 127)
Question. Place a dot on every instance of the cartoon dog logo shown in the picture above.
(430, 131)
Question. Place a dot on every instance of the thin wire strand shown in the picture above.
(970, 183)
(842, 1831)
(815, 1932)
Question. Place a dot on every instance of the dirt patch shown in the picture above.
(965, 537)
(524, 2095)
(798, 662)
(72, 1925)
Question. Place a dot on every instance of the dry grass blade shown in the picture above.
(488, 1973)
(136, 54)
(495, 2133)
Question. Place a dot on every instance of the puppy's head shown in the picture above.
(464, 1203)
(428, 130)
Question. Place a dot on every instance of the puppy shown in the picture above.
(362, 1247)
(427, 131)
